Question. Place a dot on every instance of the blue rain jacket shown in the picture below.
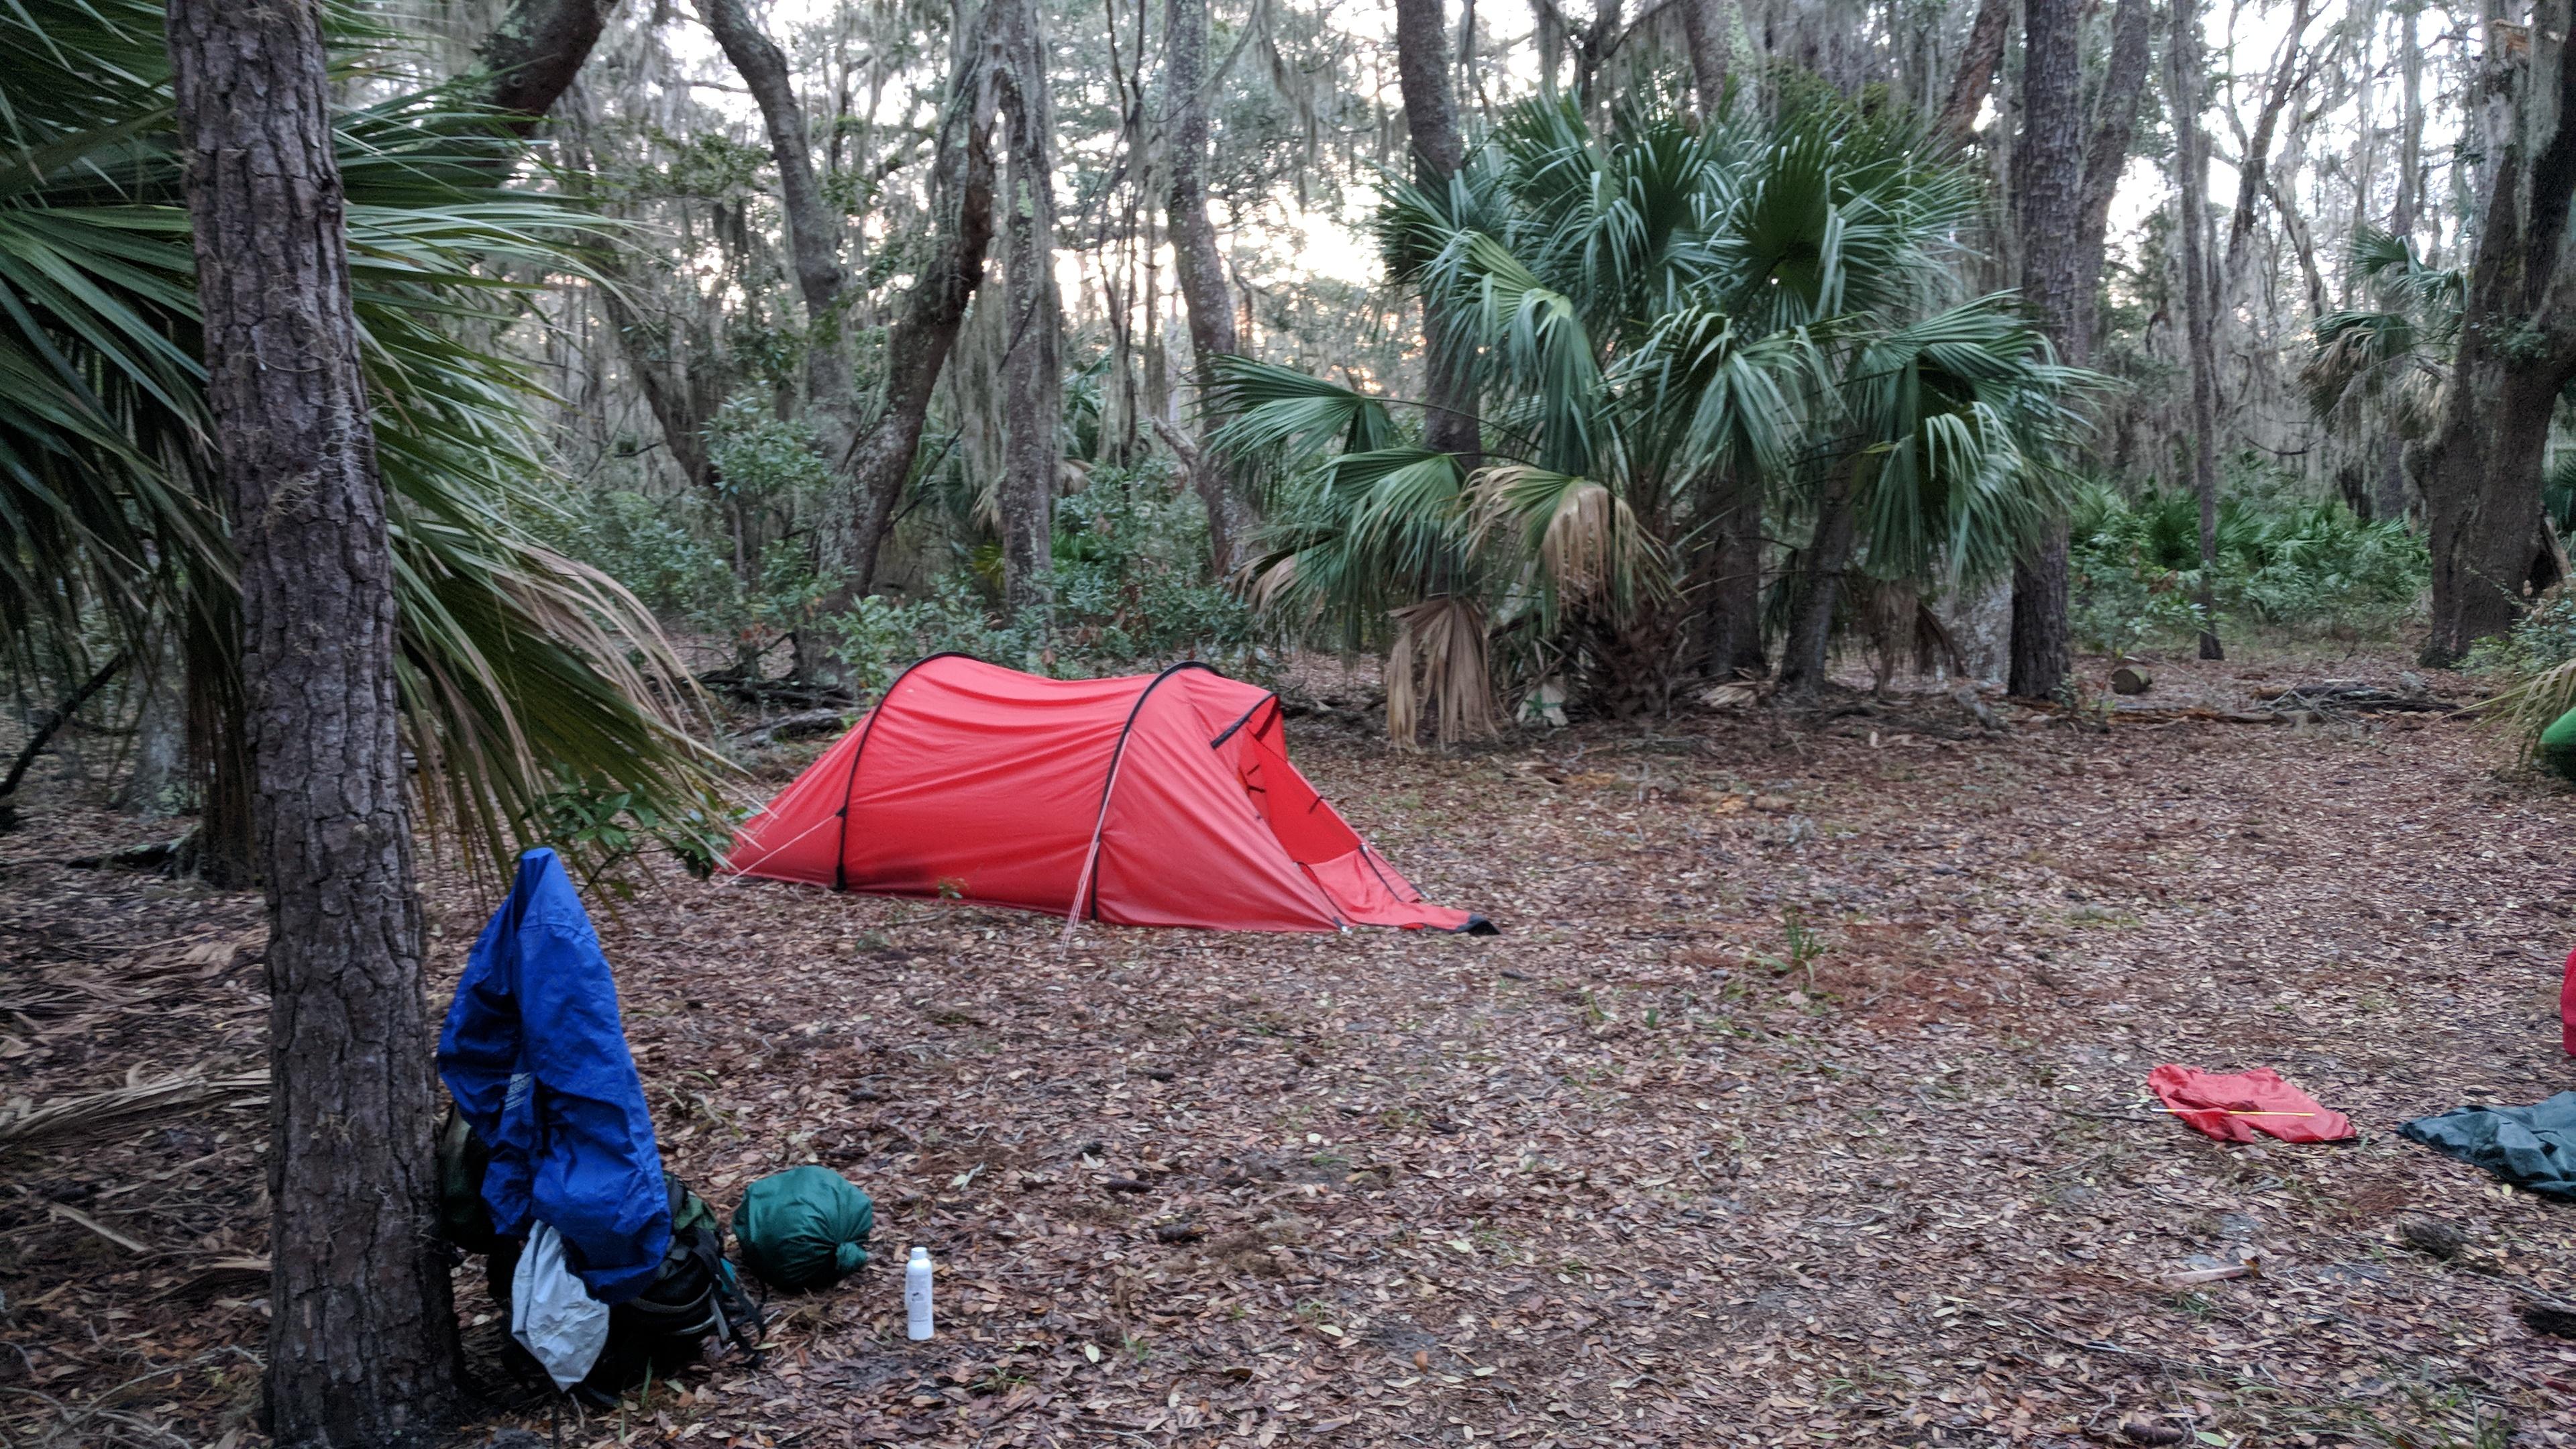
(537, 1061)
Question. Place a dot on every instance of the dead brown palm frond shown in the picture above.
(2533, 705)
(1445, 641)
(1589, 547)
(89, 1114)
(1900, 627)
(2349, 368)
(1269, 586)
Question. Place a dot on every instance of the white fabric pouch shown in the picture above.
(552, 1314)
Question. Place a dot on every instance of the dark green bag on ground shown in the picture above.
(2557, 747)
(462, 1161)
(803, 1228)
(2532, 1147)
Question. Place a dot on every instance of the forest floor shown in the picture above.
(1798, 1102)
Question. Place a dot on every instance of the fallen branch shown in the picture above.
(2346, 696)
(219, 1274)
(774, 691)
(166, 855)
(802, 725)
(2208, 716)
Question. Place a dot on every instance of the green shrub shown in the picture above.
(2534, 666)
(675, 551)
(657, 547)
(1131, 592)
(2544, 639)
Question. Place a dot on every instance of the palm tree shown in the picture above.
(2387, 358)
(1660, 319)
(533, 687)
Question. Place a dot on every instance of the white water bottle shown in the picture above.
(916, 1295)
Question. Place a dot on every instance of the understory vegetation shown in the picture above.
(2286, 561)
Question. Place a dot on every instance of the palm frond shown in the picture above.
(1584, 539)
(1268, 408)
(522, 674)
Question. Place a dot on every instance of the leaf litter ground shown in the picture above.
(1797, 1103)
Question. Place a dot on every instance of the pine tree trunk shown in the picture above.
(1032, 405)
(362, 1342)
(2183, 71)
(2048, 198)
(1198, 265)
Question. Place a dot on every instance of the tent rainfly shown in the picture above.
(1152, 800)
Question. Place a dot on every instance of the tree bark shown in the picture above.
(1732, 641)
(813, 238)
(1804, 649)
(2480, 471)
(1975, 78)
(535, 51)
(2389, 500)
(2047, 193)
(1450, 422)
(1594, 43)
(918, 344)
(1032, 377)
(2183, 73)
(813, 231)
(2106, 154)
(681, 404)
(362, 1342)
(1705, 34)
(1730, 612)
(1197, 264)
(529, 60)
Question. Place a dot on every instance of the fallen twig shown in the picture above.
(78, 1218)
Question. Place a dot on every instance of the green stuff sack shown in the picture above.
(803, 1228)
(2558, 745)
(462, 1160)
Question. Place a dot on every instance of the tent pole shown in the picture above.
(1117, 756)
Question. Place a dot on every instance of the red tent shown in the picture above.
(1152, 800)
